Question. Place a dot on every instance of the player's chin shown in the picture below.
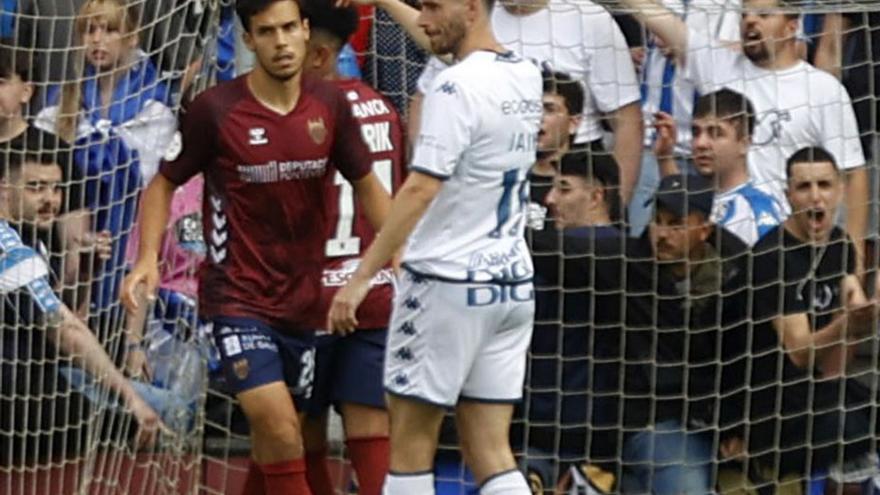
(284, 74)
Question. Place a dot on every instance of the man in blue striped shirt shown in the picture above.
(721, 136)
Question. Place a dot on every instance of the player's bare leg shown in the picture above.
(276, 441)
(366, 434)
(483, 430)
(314, 432)
(415, 428)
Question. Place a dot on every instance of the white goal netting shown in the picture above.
(633, 372)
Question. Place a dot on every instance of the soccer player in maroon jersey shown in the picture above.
(348, 370)
(264, 143)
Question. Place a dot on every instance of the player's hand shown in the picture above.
(664, 142)
(140, 285)
(149, 423)
(342, 317)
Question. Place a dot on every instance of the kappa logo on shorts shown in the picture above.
(412, 303)
(241, 368)
(400, 380)
(404, 354)
(408, 328)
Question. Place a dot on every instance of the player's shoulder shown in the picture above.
(366, 101)
(215, 100)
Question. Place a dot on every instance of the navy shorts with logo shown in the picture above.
(348, 369)
(253, 353)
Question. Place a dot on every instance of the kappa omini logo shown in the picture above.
(317, 130)
(257, 136)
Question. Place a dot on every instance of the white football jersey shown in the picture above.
(664, 84)
(794, 108)
(478, 133)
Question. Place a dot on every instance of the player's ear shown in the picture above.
(248, 40)
(307, 31)
(27, 93)
(574, 121)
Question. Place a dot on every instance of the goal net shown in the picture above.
(631, 375)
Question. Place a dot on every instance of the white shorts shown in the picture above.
(449, 341)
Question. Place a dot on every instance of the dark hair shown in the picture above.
(601, 167)
(728, 105)
(810, 154)
(14, 61)
(562, 84)
(35, 147)
(338, 22)
(245, 9)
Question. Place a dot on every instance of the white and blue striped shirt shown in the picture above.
(747, 212)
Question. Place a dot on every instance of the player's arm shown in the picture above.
(661, 21)
(402, 14)
(626, 122)
(76, 340)
(409, 205)
(155, 206)
(373, 198)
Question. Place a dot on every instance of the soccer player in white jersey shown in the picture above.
(665, 88)
(796, 104)
(578, 38)
(722, 127)
(464, 305)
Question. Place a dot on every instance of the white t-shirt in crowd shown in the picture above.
(794, 108)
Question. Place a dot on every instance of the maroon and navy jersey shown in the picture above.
(263, 210)
(350, 233)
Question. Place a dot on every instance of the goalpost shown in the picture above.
(206, 448)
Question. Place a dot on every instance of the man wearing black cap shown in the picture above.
(684, 288)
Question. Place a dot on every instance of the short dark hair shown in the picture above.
(35, 147)
(245, 9)
(810, 154)
(14, 61)
(602, 167)
(562, 84)
(728, 105)
(338, 22)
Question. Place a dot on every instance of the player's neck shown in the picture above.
(12, 127)
(279, 96)
(524, 7)
(479, 38)
(793, 227)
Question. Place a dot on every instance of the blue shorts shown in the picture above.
(253, 354)
(348, 369)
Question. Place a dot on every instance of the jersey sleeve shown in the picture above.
(707, 61)
(612, 77)
(446, 129)
(839, 132)
(350, 153)
(192, 148)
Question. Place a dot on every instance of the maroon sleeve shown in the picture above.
(193, 146)
(350, 153)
